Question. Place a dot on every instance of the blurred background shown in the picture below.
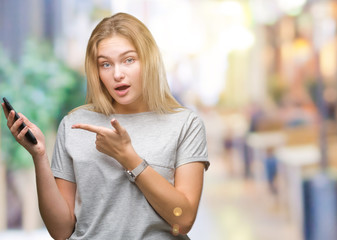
(261, 73)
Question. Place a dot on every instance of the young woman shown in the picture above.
(129, 164)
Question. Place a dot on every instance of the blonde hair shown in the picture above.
(156, 92)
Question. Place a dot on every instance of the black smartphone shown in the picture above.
(29, 135)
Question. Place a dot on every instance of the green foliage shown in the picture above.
(40, 86)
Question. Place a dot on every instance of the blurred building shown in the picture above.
(20, 20)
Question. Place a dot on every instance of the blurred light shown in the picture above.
(179, 34)
(237, 38)
(292, 7)
(231, 8)
(233, 34)
(212, 76)
(265, 11)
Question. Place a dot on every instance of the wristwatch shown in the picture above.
(132, 175)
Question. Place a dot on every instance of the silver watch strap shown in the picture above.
(138, 170)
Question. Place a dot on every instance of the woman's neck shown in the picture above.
(129, 109)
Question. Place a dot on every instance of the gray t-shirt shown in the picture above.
(108, 205)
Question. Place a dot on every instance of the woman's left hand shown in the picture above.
(114, 142)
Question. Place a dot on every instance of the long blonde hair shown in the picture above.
(156, 92)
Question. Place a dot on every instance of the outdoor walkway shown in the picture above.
(233, 208)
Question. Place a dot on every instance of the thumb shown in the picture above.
(116, 125)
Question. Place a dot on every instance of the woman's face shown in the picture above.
(120, 71)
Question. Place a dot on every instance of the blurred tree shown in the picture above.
(40, 86)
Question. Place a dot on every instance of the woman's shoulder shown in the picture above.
(187, 113)
(183, 116)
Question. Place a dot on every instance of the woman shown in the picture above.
(129, 164)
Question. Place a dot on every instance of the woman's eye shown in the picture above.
(129, 60)
(105, 65)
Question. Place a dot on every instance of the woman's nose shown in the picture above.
(118, 73)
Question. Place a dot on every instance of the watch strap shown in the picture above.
(132, 175)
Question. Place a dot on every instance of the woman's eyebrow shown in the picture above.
(102, 56)
(122, 54)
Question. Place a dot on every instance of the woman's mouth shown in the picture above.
(122, 90)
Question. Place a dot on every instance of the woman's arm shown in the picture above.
(56, 198)
(177, 204)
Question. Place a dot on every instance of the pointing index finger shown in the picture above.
(87, 127)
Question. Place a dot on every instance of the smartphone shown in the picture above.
(29, 135)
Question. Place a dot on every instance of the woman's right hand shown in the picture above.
(36, 150)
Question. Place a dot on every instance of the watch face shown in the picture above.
(131, 176)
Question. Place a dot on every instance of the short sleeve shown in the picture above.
(192, 145)
(62, 164)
